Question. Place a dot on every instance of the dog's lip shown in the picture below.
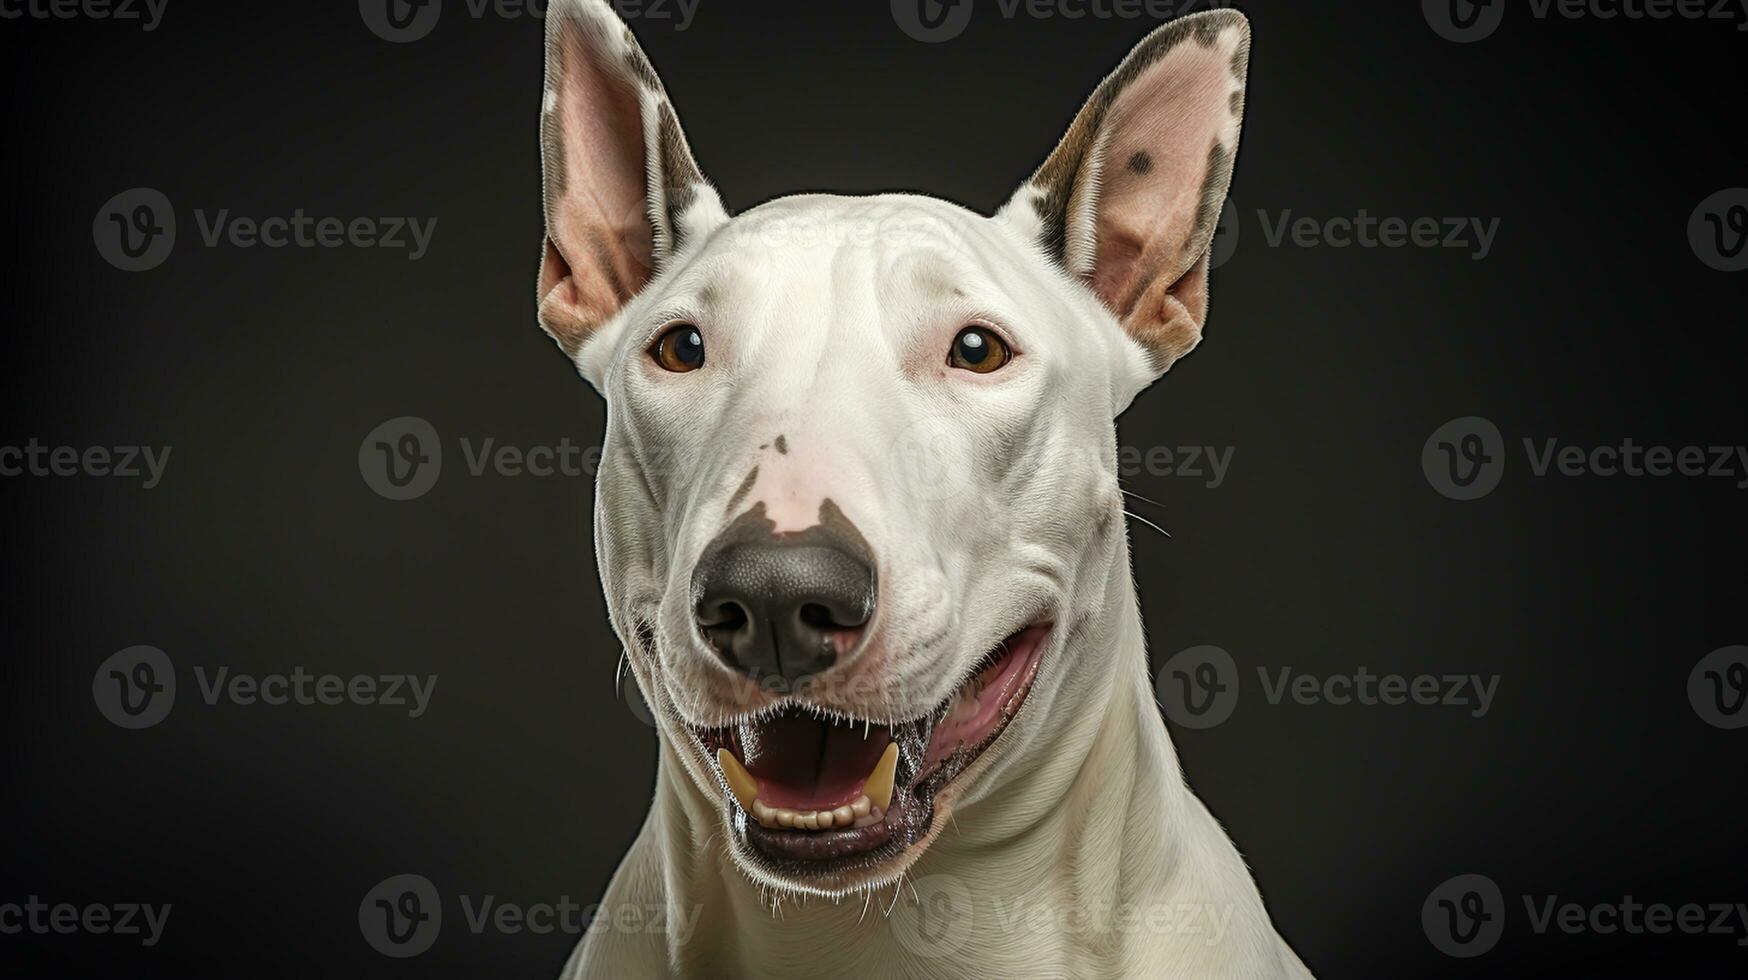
(924, 769)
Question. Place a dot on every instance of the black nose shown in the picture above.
(780, 611)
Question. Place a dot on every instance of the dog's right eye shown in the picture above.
(680, 350)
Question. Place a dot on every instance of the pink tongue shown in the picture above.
(803, 763)
(1001, 681)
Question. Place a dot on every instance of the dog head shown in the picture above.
(858, 492)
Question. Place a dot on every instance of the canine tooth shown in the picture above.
(879, 785)
(740, 782)
(843, 816)
(861, 807)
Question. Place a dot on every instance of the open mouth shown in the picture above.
(819, 796)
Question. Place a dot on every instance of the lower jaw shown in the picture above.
(925, 767)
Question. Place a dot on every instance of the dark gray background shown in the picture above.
(1325, 550)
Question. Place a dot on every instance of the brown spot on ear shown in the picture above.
(782, 446)
(1141, 162)
(746, 487)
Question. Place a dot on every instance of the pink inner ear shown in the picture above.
(600, 220)
(1159, 135)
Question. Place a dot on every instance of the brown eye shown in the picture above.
(680, 350)
(979, 349)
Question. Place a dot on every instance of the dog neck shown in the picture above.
(1097, 806)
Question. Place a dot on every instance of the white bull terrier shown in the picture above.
(860, 530)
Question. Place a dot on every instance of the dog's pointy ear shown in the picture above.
(1129, 201)
(623, 193)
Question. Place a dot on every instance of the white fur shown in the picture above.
(822, 299)
(989, 501)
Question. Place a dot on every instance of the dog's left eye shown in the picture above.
(979, 349)
(680, 350)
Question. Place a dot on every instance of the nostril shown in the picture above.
(827, 617)
(721, 623)
(819, 617)
(728, 615)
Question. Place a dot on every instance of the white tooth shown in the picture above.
(827, 819)
(861, 807)
(807, 821)
(761, 812)
(785, 818)
(843, 816)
